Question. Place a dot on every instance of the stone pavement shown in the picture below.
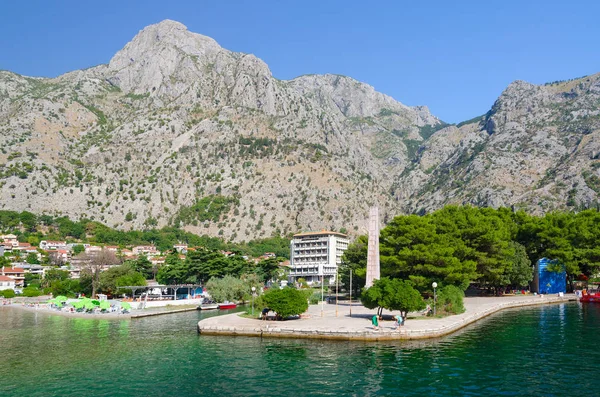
(321, 322)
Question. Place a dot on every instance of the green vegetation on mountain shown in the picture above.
(32, 228)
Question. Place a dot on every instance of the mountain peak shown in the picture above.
(156, 53)
(168, 24)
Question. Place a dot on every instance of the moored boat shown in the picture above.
(208, 306)
(227, 305)
(587, 297)
(591, 294)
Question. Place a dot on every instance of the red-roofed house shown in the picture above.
(58, 256)
(6, 283)
(21, 247)
(10, 239)
(93, 249)
(143, 249)
(127, 253)
(16, 273)
(158, 260)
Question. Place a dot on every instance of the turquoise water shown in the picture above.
(548, 351)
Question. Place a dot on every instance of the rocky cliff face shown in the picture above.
(177, 130)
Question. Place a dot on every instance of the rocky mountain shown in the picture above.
(176, 130)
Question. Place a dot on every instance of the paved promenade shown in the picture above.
(321, 322)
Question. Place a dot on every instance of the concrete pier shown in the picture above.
(321, 322)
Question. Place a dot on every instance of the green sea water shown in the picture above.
(542, 351)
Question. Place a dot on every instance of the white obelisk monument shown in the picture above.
(373, 272)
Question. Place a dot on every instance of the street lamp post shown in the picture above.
(322, 297)
(253, 290)
(434, 285)
(350, 292)
(336, 292)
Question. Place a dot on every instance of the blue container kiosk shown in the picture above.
(546, 281)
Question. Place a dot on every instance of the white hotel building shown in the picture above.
(316, 254)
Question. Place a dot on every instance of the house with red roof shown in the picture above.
(6, 283)
(15, 273)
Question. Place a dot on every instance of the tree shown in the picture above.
(268, 269)
(28, 220)
(32, 258)
(78, 249)
(355, 259)
(66, 287)
(450, 300)
(485, 233)
(142, 265)
(120, 276)
(519, 273)
(33, 240)
(54, 275)
(94, 264)
(8, 293)
(285, 302)
(174, 271)
(393, 294)
(228, 288)
(411, 248)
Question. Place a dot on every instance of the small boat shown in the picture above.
(208, 306)
(227, 306)
(586, 297)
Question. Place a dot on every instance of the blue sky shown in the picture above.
(454, 56)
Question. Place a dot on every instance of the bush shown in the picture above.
(312, 296)
(8, 293)
(286, 302)
(450, 300)
(31, 292)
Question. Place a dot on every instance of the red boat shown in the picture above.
(227, 306)
(587, 297)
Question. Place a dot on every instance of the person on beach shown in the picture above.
(375, 323)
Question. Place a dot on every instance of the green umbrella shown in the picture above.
(125, 305)
(96, 302)
(104, 305)
(58, 304)
(61, 298)
(89, 305)
(78, 304)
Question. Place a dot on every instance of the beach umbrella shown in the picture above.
(125, 305)
(96, 302)
(89, 305)
(61, 298)
(104, 305)
(78, 304)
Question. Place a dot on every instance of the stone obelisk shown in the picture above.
(373, 248)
